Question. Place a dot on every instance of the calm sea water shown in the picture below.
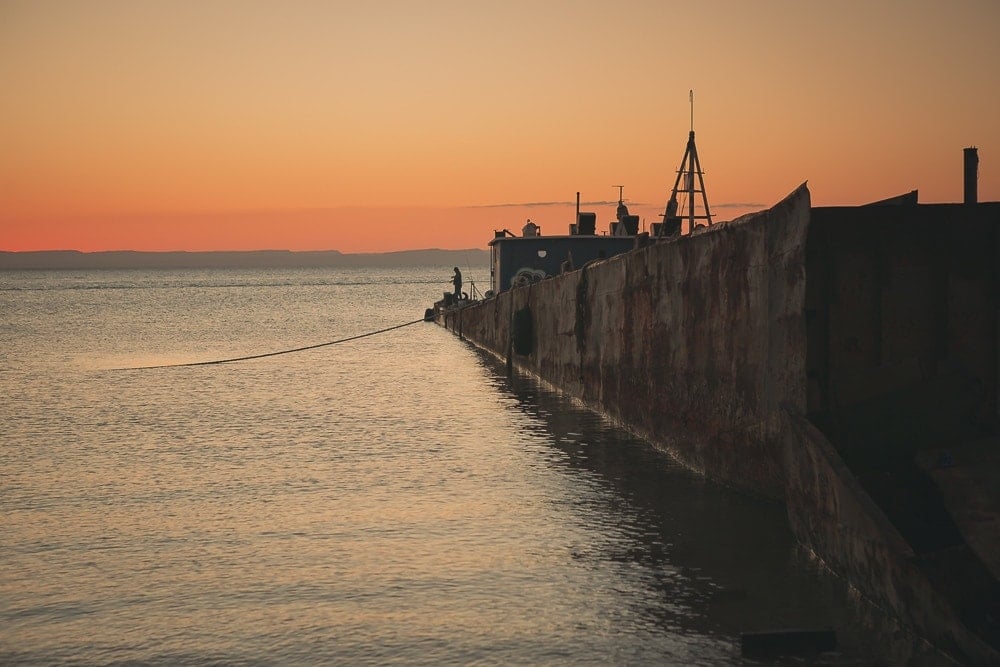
(392, 500)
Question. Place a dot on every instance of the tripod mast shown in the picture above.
(689, 169)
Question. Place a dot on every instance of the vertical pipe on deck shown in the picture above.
(971, 175)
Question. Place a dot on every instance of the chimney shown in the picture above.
(971, 175)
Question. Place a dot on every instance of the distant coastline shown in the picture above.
(54, 260)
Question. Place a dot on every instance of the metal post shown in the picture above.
(971, 175)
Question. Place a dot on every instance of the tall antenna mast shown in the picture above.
(691, 97)
(690, 167)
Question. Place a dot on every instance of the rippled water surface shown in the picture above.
(391, 500)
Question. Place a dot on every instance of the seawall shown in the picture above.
(695, 344)
(796, 353)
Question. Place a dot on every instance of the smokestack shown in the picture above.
(971, 175)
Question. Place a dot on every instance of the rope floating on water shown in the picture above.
(274, 354)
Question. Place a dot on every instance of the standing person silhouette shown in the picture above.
(457, 282)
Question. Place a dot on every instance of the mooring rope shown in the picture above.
(273, 354)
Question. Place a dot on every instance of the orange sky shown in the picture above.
(388, 125)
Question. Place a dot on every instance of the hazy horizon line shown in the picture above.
(56, 260)
(256, 250)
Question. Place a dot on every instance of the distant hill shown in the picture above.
(127, 259)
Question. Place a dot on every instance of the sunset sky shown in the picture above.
(390, 125)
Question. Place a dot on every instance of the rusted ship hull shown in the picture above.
(739, 350)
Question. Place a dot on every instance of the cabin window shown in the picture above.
(542, 253)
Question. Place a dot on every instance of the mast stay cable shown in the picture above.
(272, 354)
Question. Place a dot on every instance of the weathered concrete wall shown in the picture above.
(716, 346)
(900, 294)
(694, 344)
(902, 347)
(834, 516)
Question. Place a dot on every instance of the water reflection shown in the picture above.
(392, 500)
(701, 558)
